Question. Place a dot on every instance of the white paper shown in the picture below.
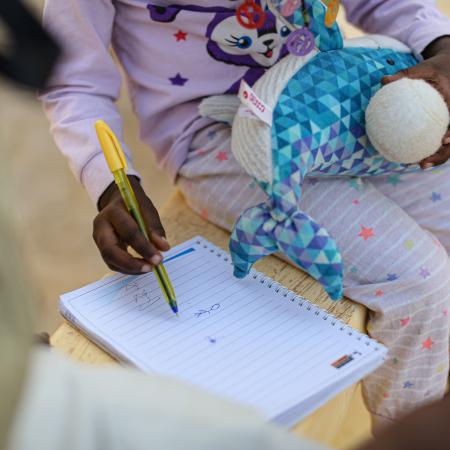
(240, 339)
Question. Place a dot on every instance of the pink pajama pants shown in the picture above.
(394, 234)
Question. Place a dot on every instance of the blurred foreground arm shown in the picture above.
(74, 407)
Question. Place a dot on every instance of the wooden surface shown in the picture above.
(334, 423)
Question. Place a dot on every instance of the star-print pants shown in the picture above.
(394, 234)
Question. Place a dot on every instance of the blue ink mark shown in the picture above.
(184, 252)
(211, 340)
(201, 312)
(143, 300)
(117, 285)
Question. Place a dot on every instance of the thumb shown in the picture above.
(388, 79)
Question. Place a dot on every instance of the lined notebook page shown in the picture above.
(249, 340)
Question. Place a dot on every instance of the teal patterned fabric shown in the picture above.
(318, 130)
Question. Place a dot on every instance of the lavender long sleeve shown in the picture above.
(171, 61)
(414, 22)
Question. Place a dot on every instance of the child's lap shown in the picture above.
(380, 224)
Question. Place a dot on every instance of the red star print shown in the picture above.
(405, 322)
(379, 293)
(180, 35)
(222, 156)
(386, 395)
(445, 312)
(356, 202)
(204, 214)
(366, 233)
(427, 344)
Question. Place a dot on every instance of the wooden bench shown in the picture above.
(341, 422)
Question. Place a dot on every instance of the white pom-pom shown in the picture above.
(406, 120)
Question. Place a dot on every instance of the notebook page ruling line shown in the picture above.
(311, 357)
(91, 287)
(290, 415)
(144, 290)
(318, 378)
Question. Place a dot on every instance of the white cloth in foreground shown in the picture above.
(74, 407)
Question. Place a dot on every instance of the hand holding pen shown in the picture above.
(110, 236)
(115, 230)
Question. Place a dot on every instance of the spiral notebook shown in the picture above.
(249, 340)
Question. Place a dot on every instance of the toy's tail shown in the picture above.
(260, 231)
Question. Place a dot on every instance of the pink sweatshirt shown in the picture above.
(173, 56)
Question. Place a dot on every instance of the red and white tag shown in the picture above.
(253, 104)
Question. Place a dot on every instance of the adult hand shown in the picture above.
(427, 428)
(115, 230)
(435, 69)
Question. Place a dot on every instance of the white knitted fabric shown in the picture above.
(221, 108)
(251, 141)
(406, 121)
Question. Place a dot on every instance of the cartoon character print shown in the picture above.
(258, 49)
(231, 43)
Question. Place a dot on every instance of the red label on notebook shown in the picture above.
(342, 361)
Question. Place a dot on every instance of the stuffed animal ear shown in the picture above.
(327, 32)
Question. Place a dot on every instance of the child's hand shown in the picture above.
(436, 71)
(115, 230)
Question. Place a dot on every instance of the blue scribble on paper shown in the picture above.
(208, 311)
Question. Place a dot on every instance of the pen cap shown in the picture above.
(111, 148)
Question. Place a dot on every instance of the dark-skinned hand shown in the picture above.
(435, 69)
(115, 230)
(428, 428)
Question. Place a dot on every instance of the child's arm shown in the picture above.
(416, 23)
(420, 25)
(83, 89)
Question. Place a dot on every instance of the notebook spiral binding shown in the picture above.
(292, 296)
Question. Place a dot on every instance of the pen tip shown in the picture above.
(174, 309)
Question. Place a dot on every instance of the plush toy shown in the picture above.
(318, 103)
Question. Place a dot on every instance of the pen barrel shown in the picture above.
(126, 191)
(129, 198)
(117, 163)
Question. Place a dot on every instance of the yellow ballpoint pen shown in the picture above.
(118, 165)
